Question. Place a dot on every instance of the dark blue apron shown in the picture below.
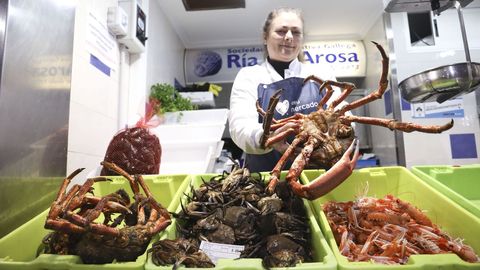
(296, 98)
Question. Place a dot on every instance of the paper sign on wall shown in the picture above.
(346, 58)
(100, 43)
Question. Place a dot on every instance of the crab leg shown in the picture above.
(63, 226)
(275, 173)
(323, 84)
(87, 221)
(62, 204)
(134, 181)
(326, 97)
(160, 223)
(119, 197)
(330, 179)
(139, 179)
(66, 202)
(348, 88)
(57, 206)
(263, 113)
(302, 159)
(74, 199)
(394, 125)
(113, 167)
(296, 118)
(105, 203)
(381, 87)
(156, 205)
(282, 135)
(268, 117)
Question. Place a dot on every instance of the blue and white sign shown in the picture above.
(346, 57)
(447, 109)
(219, 65)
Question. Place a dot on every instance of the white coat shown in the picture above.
(243, 117)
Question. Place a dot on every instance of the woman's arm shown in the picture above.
(243, 117)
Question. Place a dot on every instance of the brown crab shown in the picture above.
(326, 136)
(282, 251)
(179, 251)
(72, 217)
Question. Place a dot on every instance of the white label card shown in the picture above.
(217, 251)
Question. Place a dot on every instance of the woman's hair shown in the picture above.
(268, 24)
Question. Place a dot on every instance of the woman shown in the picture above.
(283, 35)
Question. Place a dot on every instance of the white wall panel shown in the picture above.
(428, 149)
(93, 96)
(94, 101)
(383, 140)
(165, 49)
(93, 130)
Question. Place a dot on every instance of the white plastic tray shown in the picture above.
(208, 116)
(186, 158)
(188, 133)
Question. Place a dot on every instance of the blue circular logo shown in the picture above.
(207, 63)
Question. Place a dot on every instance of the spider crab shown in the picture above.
(73, 213)
(326, 136)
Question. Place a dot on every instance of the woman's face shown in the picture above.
(285, 39)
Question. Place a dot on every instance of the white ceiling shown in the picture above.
(333, 19)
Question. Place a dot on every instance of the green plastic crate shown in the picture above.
(18, 208)
(323, 256)
(401, 183)
(459, 183)
(19, 249)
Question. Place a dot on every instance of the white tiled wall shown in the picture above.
(94, 103)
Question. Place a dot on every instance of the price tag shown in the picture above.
(217, 251)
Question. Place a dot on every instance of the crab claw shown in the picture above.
(330, 179)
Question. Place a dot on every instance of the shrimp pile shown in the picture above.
(388, 231)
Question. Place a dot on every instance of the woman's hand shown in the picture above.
(282, 145)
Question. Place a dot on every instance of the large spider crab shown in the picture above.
(326, 135)
(72, 217)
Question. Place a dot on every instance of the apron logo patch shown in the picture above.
(282, 107)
